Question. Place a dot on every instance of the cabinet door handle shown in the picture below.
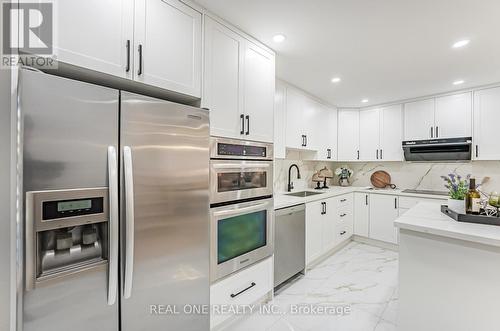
(432, 132)
(248, 125)
(366, 199)
(127, 46)
(377, 154)
(477, 150)
(329, 153)
(395, 203)
(381, 157)
(358, 154)
(437, 131)
(325, 207)
(343, 200)
(139, 71)
(305, 136)
(242, 119)
(342, 233)
(343, 215)
(303, 141)
(234, 295)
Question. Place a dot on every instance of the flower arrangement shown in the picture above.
(343, 172)
(457, 186)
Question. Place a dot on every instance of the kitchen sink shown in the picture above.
(303, 194)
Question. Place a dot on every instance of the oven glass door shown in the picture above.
(241, 235)
(235, 180)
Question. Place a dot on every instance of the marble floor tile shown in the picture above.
(361, 277)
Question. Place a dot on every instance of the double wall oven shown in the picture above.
(241, 201)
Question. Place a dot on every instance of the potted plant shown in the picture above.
(344, 174)
(457, 191)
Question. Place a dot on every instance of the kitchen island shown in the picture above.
(449, 272)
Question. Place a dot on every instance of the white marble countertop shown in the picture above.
(282, 200)
(426, 217)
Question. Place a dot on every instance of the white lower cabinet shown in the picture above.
(383, 213)
(361, 214)
(314, 230)
(329, 222)
(245, 287)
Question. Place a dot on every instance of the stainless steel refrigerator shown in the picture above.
(116, 208)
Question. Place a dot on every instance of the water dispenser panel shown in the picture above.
(66, 232)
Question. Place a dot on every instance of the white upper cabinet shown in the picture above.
(326, 133)
(348, 135)
(369, 134)
(486, 124)
(279, 121)
(419, 120)
(157, 42)
(391, 133)
(259, 87)
(301, 120)
(222, 94)
(168, 45)
(295, 104)
(95, 34)
(443, 117)
(239, 84)
(453, 116)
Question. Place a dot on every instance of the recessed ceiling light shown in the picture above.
(458, 82)
(279, 38)
(364, 100)
(461, 43)
(336, 79)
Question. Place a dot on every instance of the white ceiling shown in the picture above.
(384, 50)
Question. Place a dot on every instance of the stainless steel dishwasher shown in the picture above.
(289, 243)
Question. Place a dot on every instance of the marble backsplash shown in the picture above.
(406, 175)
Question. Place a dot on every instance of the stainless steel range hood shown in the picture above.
(434, 150)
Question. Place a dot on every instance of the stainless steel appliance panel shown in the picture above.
(165, 213)
(232, 180)
(289, 252)
(235, 149)
(67, 128)
(247, 236)
(434, 150)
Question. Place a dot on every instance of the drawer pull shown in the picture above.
(343, 200)
(244, 290)
(342, 233)
(343, 215)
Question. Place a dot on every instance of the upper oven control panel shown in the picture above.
(222, 148)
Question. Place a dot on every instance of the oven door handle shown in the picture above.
(260, 206)
(240, 166)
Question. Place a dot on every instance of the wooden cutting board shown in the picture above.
(381, 179)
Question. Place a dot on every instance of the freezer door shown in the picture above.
(68, 129)
(165, 214)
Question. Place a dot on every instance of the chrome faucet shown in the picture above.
(290, 184)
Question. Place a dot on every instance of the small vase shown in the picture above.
(457, 206)
(343, 182)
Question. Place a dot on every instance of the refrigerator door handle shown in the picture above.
(113, 225)
(129, 220)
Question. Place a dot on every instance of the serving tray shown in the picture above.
(467, 218)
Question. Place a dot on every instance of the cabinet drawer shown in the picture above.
(343, 232)
(345, 215)
(409, 202)
(242, 288)
(344, 200)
